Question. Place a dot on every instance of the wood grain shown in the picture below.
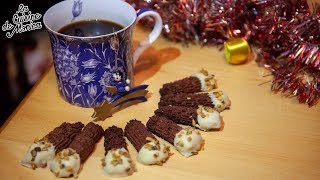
(266, 136)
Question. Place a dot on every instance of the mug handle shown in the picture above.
(156, 31)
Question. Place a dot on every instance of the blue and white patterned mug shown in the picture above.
(84, 66)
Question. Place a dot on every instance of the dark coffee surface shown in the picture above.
(88, 28)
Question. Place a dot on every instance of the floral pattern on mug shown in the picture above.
(66, 63)
(83, 69)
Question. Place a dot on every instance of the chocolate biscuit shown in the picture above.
(178, 114)
(163, 127)
(83, 145)
(85, 141)
(188, 100)
(186, 85)
(63, 135)
(114, 139)
(137, 133)
(92, 130)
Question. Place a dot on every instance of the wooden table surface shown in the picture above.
(266, 136)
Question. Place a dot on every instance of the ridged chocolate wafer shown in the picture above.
(204, 118)
(198, 82)
(92, 130)
(114, 139)
(137, 133)
(63, 135)
(112, 132)
(83, 145)
(84, 142)
(178, 114)
(217, 100)
(186, 85)
(163, 128)
(188, 100)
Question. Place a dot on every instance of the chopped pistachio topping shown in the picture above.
(180, 143)
(194, 122)
(75, 157)
(210, 82)
(115, 156)
(182, 132)
(69, 169)
(35, 140)
(33, 166)
(199, 109)
(33, 153)
(37, 149)
(189, 130)
(147, 146)
(204, 72)
(157, 142)
(195, 153)
(46, 147)
(45, 139)
(71, 151)
(149, 139)
(218, 95)
(124, 153)
(156, 147)
(128, 169)
(189, 139)
(200, 112)
(155, 155)
(103, 162)
(209, 109)
(116, 161)
(153, 147)
(64, 154)
(166, 149)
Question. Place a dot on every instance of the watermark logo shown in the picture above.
(23, 20)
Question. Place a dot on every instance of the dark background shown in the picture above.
(16, 55)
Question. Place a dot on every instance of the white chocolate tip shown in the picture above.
(226, 100)
(188, 142)
(153, 153)
(39, 154)
(118, 163)
(207, 80)
(220, 100)
(66, 163)
(208, 118)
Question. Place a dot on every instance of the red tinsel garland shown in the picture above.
(285, 32)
